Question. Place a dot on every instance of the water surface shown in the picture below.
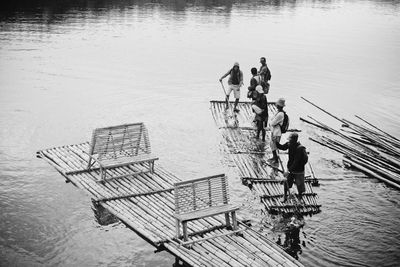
(67, 67)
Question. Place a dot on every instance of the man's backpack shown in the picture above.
(285, 123)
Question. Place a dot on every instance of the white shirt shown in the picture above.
(276, 123)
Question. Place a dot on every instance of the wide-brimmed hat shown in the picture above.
(280, 102)
(259, 89)
(236, 64)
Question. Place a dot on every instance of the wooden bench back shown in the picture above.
(128, 140)
(201, 193)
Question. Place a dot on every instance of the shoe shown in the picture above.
(236, 110)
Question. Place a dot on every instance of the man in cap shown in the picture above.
(235, 81)
(276, 123)
(295, 165)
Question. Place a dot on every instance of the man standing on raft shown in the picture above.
(295, 167)
(235, 81)
(276, 123)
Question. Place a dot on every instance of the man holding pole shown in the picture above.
(235, 81)
(295, 166)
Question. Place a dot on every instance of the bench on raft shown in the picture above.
(117, 146)
(201, 198)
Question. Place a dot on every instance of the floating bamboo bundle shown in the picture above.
(365, 147)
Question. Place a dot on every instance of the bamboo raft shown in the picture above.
(249, 156)
(364, 147)
(145, 203)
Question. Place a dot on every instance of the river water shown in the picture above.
(67, 67)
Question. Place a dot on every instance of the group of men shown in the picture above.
(259, 87)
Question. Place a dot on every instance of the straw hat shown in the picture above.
(259, 89)
(236, 64)
(280, 102)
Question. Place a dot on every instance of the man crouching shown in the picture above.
(297, 160)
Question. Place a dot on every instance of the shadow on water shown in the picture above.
(286, 228)
(102, 215)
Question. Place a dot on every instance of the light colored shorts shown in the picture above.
(274, 140)
(235, 89)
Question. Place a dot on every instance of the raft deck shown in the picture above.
(145, 203)
(250, 157)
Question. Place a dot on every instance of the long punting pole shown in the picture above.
(358, 117)
(370, 150)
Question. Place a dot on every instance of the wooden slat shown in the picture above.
(198, 214)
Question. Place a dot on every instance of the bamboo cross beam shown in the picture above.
(281, 195)
(134, 195)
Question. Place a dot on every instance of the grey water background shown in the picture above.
(67, 67)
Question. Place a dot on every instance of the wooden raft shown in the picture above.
(145, 203)
(250, 157)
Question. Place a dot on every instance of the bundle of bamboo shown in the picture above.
(365, 147)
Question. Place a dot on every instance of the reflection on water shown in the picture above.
(67, 67)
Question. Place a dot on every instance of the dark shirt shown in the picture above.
(265, 73)
(296, 154)
(235, 75)
(262, 103)
(253, 84)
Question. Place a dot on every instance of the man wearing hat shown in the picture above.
(295, 165)
(235, 81)
(260, 107)
(276, 123)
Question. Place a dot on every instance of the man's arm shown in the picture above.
(223, 76)
(285, 146)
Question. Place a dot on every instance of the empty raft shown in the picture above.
(144, 201)
(250, 157)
